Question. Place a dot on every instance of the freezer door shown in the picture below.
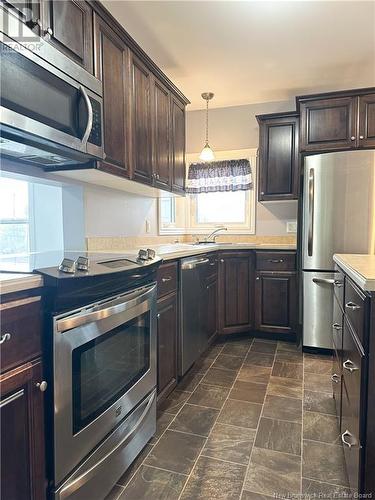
(338, 207)
(317, 309)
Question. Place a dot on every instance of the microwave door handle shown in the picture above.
(86, 98)
(310, 242)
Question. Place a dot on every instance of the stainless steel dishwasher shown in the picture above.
(193, 339)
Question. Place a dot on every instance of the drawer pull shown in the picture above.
(347, 443)
(42, 386)
(158, 316)
(352, 305)
(350, 366)
(165, 280)
(275, 261)
(212, 263)
(335, 378)
(338, 283)
(5, 337)
(336, 326)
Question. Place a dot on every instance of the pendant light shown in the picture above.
(207, 154)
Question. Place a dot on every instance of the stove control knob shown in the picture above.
(142, 255)
(151, 254)
(67, 266)
(82, 263)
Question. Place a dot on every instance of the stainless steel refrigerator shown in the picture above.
(338, 217)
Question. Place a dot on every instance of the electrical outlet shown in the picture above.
(291, 226)
(148, 226)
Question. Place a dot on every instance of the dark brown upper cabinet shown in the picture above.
(178, 145)
(162, 172)
(140, 114)
(278, 156)
(337, 121)
(68, 26)
(112, 68)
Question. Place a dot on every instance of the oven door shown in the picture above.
(104, 365)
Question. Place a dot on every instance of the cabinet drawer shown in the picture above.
(339, 286)
(275, 261)
(350, 439)
(167, 278)
(354, 306)
(337, 325)
(21, 332)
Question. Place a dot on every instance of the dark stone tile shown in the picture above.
(214, 480)
(230, 443)
(321, 357)
(157, 484)
(321, 402)
(240, 413)
(279, 386)
(287, 370)
(289, 357)
(176, 451)
(213, 351)
(278, 435)
(288, 346)
(203, 364)
(249, 495)
(321, 427)
(264, 347)
(248, 391)
(318, 383)
(259, 359)
(162, 422)
(239, 349)
(227, 362)
(283, 408)
(124, 479)
(253, 373)
(324, 462)
(209, 395)
(195, 419)
(314, 489)
(191, 380)
(272, 473)
(114, 493)
(221, 378)
(174, 402)
(318, 365)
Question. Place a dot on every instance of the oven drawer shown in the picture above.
(350, 439)
(275, 261)
(167, 278)
(355, 302)
(21, 331)
(339, 286)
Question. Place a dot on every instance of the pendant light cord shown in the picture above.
(206, 121)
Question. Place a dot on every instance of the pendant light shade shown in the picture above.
(207, 154)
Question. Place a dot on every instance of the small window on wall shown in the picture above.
(167, 212)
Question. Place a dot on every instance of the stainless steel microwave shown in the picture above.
(51, 109)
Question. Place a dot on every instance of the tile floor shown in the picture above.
(253, 420)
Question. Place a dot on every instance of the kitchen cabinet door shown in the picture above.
(68, 26)
(235, 292)
(140, 112)
(328, 124)
(210, 308)
(367, 121)
(162, 172)
(22, 434)
(178, 145)
(111, 67)
(167, 344)
(275, 302)
(278, 157)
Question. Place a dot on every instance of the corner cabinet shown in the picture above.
(278, 156)
(337, 121)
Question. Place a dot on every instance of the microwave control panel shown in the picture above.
(96, 131)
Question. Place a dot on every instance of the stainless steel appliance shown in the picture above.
(51, 108)
(193, 338)
(338, 217)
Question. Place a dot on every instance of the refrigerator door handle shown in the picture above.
(322, 281)
(310, 242)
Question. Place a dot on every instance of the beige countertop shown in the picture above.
(360, 268)
(16, 282)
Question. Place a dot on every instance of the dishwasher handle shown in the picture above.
(194, 263)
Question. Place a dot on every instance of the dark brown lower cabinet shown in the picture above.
(210, 307)
(22, 433)
(167, 344)
(275, 302)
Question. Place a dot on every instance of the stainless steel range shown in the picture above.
(101, 341)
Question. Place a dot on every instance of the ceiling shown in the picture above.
(255, 51)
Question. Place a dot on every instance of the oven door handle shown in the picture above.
(72, 486)
(111, 308)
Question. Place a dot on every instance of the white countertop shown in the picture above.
(16, 282)
(360, 268)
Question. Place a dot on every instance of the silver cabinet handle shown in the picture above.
(165, 280)
(86, 98)
(262, 193)
(158, 316)
(222, 261)
(5, 337)
(275, 261)
(48, 32)
(310, 242)
(361, 137)
(335, 378)
(338, 283)
(350, 366)
(352, 138)
(336, 326)
(213, 263)
(42, 386)
(257, 278)
(323, 281)
(352, 305)
(350, 435)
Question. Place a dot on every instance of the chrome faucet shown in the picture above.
(214, 234)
